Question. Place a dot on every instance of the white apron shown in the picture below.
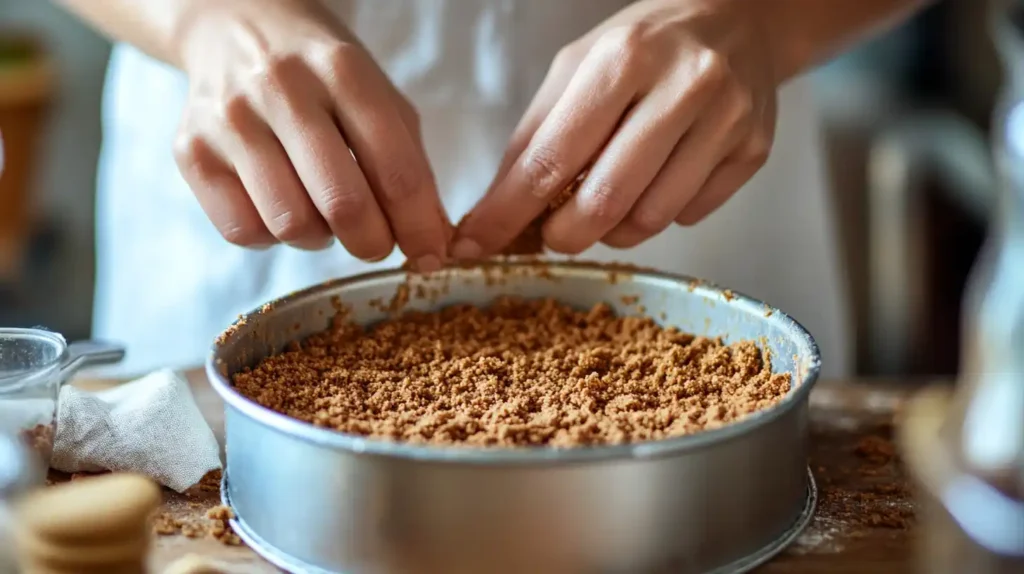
(167, 283)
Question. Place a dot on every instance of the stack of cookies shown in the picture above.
(96, 525)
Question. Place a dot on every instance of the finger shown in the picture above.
(560, 73)
(394, 163)
(628, 164)
(709, 140)
(270, 180)
(220, 193)
(412, 121)
(724, 182)
(568, 139)
(325, 166)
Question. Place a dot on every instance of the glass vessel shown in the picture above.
(34, 363)
(966, 450)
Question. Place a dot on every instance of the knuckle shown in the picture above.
(566, 58)
(543, 168)
(343, 208)
(279, 72)
(291, 225)
(742, 105)
(713, 68)
(397, 185)
(187, 148)
(758, 148)
(626, 41)
(603, 204)
(625, 46)
(344, 61)
(235, 112)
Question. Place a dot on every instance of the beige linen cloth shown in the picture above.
(150, 426)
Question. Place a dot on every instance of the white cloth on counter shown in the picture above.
(151, 426)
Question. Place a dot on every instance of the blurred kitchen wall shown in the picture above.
(56, 286)
(932, 80)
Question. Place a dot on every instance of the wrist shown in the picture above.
(188, 30)
(771, 37)
(207, 26)
(764, 36)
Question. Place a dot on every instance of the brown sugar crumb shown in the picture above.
(871, 495)
(39, 438)
(516, 373)
(214, 524)
(220, 528)
(211, 481)
(530, 241)
(165, 524)
(875, 449)
(82, 475)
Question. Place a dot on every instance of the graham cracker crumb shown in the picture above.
(516, 373)
(215, 525)
(220, 529)
(874, 494)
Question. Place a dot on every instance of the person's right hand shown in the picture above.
(279, 93)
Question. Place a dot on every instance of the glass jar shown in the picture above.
(20, 472)
(966, 450)
(34, 363)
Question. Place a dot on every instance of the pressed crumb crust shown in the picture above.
(516, 373)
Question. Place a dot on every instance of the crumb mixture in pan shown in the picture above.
(516, 373)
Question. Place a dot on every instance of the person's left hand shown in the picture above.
(669, 106)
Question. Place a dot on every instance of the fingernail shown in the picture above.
(380, 257)
(428, 264)
(466, 249)
(307, 246)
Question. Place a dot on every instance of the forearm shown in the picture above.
(159, 27)
(151, 25)
(805, 33)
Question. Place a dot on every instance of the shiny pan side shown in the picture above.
(317, 500)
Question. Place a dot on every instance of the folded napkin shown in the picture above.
(151, 426)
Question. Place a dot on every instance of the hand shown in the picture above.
(670, 108)
(292, 133)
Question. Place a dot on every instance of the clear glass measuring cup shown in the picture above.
(34, 364)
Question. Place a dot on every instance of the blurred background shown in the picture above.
(905, 124)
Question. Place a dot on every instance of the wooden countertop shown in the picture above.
(864, 521)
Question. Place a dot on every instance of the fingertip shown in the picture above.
(312, 243)
(427, 264)
(466, 248)
(378, 255)
(564, 233)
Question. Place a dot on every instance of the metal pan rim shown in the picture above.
(536, 456)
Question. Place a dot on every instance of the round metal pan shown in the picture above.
(314, 500)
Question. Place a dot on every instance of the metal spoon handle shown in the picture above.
(82, 354)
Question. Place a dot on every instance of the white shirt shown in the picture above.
(167, 283)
